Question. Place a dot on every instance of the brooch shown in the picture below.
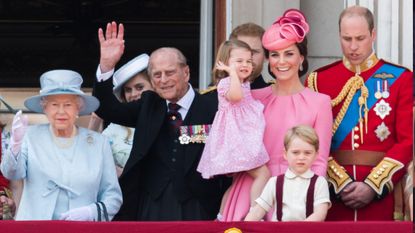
(90, 139)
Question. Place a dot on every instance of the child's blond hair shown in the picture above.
(224, 53)
(305, 133)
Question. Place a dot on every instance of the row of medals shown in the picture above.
(382, 108)
(197, 134)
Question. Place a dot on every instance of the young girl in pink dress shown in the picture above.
(235, 142)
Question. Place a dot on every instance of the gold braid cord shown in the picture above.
(312, 81)
(348, 91)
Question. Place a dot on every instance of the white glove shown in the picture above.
(84, 213)
(18, 131)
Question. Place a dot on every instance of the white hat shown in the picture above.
(61, 82)
(127, 71)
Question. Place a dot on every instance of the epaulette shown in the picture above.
(270, 81)
(398, 65)
(328, 66)
(207, 90)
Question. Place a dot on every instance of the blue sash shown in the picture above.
(351, 117)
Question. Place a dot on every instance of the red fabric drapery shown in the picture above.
(202, 227)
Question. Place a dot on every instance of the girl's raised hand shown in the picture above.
(221, 66)
(229, 69)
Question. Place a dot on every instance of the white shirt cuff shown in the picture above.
(103, 76)
(265, 205)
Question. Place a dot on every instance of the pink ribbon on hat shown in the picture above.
(293, 25)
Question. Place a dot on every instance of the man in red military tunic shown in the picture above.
(372, 131)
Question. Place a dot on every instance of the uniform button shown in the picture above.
(176, 141)
(173, 159)
(356, 145)
(356, 136)
(174, 150)
(356, 128)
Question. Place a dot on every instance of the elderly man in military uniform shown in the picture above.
(372, 131)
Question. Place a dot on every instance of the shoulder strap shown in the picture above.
(310, 196)
(278, 191)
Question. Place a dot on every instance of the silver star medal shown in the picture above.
(382, 109)
(382, 132)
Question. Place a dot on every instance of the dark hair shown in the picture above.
(302, 47)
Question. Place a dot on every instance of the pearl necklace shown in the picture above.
(63, 142)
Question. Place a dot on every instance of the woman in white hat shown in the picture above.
(129, 82)
(68, 171)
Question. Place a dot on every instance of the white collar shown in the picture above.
(186, 101)
(306, 175)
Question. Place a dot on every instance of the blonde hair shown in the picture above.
(224, 53)
(305, 133)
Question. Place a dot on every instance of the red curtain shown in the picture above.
(202, 227)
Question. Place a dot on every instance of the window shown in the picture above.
(40, 35)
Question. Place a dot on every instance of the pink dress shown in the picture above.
(282, 113)
(235, 141)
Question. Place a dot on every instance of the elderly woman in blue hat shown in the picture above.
(68, 171)
(129, 81)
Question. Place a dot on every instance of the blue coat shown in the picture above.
(87, 177)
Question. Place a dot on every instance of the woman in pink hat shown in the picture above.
(287, 104)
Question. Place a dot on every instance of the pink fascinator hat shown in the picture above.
(289, 29)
